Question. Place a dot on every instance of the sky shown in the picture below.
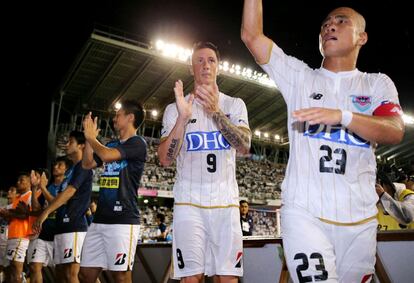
(41, 41)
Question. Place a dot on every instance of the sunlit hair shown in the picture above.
(205, 44)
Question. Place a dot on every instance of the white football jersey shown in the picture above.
(206, 163)
(331, 171)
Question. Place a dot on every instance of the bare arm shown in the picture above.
(91, 131)
(252, 35)
(402, 211)
(48, 196)
(87, 158)
(105, 153)
(59, 200)
(379, 129)
(21, 213)
(383, 130)
(238, 137)
(169, 147)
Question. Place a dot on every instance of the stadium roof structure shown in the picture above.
(112, 66)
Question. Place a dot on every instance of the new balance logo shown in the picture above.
(120, 259)
(316, 96)
(192, 121)
(67, 253)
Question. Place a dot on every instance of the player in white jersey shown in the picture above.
(336, 115)
(203, 131)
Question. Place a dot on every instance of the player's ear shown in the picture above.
(363, 38)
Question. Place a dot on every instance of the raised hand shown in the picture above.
(208, 96)
(318, 115)
(34, 179)
(184, 107)
(90, 126)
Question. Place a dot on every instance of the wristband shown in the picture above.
(346, 118)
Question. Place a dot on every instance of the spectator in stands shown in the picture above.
(71, 204)
(336, 116)
(203, 131)
(116, 221)
(396, 204)
(246, 221)
(409, 181)
(162, 228)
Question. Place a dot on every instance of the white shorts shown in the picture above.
(110, 246)
(3, 245)
(40, 251)
(16, 249)
(68, 247)
(318, 251)
(207, 241)
(3, 252)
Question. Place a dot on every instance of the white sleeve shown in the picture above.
(385, 91)
(286, 71)
(401, 211)
(239, 114)
(168, 120)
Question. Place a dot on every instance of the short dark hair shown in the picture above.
(12, 188)
(206, 44)
(78, 136)
(134, 107)
(64, 159)
(161, 217)
(243, 201)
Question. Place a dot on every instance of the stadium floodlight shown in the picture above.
(184, 54)
(408, 120)
(277, 137)
(266, 135)
(257, 133)
(172, 50)
(154, 113)
(118, 106)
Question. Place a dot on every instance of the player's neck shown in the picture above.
(339, 64)
(125, 134)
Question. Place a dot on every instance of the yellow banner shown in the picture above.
(109, 182)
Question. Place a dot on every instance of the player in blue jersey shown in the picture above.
(41, 252)
(71, 204)
(113, 235)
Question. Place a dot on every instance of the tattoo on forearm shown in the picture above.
(236, 137)
(173, 148)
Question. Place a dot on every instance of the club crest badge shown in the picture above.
(361, 102)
